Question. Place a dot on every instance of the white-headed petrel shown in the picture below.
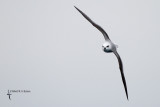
(108, 47)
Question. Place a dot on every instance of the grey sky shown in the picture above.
(46, 46)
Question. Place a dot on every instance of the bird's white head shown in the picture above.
(108, 47)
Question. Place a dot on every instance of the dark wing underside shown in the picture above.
(122, 73)
(94, 24)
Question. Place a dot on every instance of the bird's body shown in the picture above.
(108, 47)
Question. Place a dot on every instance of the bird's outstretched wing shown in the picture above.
(122, 73)
(106, 37)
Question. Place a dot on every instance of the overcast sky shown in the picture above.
(47, 47)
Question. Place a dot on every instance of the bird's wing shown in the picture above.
(122, 73)
(106, 37)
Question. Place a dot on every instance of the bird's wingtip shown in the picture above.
(75, 7)
(127, 98)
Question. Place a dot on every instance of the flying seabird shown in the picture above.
(108, 47)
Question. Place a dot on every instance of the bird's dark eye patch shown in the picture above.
(108, 46)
